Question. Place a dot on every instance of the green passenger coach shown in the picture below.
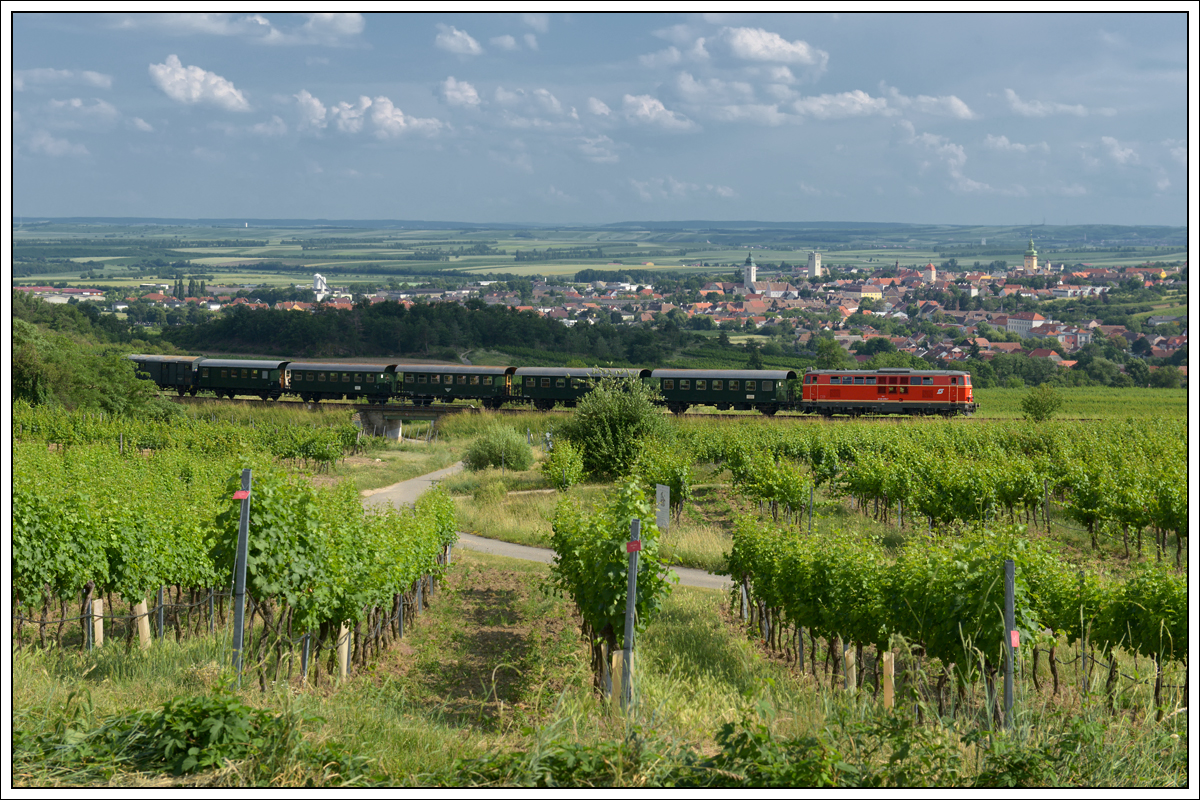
(229, 377)
(426, 383)
(547, 386)
(741, 389)
(314, 381)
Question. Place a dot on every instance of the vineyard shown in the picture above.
(105, 507)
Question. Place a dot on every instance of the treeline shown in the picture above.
(642, 276)
(559, 253)
(439, 330)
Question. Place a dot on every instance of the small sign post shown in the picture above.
(239, 574)
(633, 547)
(1011, 640)
(662, 507)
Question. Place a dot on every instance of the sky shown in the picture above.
(972, 119)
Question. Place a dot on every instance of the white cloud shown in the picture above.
(349, 117)
(712, 90)
(539, 22)
(75, 113)
(599, 150)
(276, 127)
(530, 41)
(780, 74)
(679, 34)
(505, 42)
(312, 110)
(390, 121)
(952, 156)
(942, 105)
(663, 58)
(650, 110)
(140, 124)
(1121, 155)
(24, 78)
(595, 106)
(1178, 150)
(559, 196)
(459, 93)
(517, 159)
(1002, 143)
(194, 85)
(756, 44)
(1162, 184)
(1037, 108)
(42, 142)
(671, 189)
(760, 113)
(547, 101)
(452, 40)
(844, 104)
(319, 29)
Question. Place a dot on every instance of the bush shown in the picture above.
(611, 425)
(1041, 403)
(659, 463)
(564, 468)
(499, 446)
(490, 493)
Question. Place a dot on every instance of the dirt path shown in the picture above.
(406, 492)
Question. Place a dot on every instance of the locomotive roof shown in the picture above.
(584, 372)
(455, 369)
(731, 374)
(239, 362)
(888, 371)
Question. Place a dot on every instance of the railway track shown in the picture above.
(441, 410)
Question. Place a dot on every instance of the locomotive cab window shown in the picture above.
(835, 379)
(870, 380)
(927, 381)
(858, 380)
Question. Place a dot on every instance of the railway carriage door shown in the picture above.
(954, 389)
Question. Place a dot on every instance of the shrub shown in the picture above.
(490, 493)
(1040, 404)
(564, 468)
(611, 424)
(659, 463)
(499, 446)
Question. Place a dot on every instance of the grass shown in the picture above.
(1089, 403)
(495, 664)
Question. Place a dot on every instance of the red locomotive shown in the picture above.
(891, 390)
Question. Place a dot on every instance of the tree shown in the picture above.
(612, 423)
(1041, 403)
(1138, 372)
(1165, 378)
(754, 356)
(830, 354)
(723, 339)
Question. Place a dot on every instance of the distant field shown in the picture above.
(1089, 402)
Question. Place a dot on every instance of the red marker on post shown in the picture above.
(1016, 638)
(241, 495)
(634, 546)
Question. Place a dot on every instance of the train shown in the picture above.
(853, 392)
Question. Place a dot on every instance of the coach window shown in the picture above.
(204, 373)
(733, 386)
(421, 379)
(700, 385)
(345, 377)
(668, 383)
(487, 380)
(320, 377)
(749, 386)
(358, 377)
(311, 377)
(449, 379)
(766, 386)
(545, 383)
(561, 383)
(435, 378)
(716, 385)
(370, 378)
(685, 384)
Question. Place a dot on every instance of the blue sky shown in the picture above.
(582, 118)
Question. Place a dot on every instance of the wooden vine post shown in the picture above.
(97, 622)
(889, 680)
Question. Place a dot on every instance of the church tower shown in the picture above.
(1031, 257)
(814, 264)
(749, 274)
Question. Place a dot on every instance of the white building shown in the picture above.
(749, 274)
(814, 264)
(320, 287)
